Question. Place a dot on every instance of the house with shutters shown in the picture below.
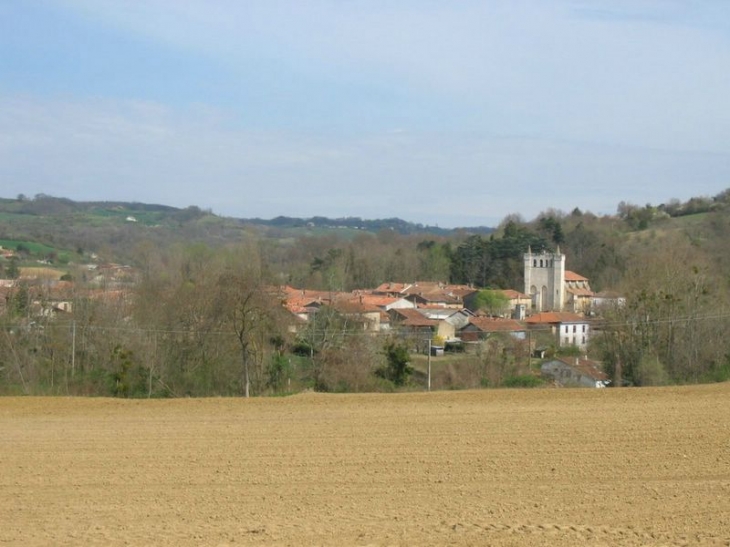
(569, 329)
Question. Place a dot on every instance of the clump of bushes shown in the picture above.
(523, 380)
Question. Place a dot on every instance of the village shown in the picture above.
(438, 316)
(552, 318)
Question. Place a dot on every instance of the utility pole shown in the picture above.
(429, 364)
(73, 348)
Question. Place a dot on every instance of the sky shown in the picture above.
(453, 113)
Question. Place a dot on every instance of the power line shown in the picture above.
(597, 325)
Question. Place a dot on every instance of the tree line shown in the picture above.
(207, 320)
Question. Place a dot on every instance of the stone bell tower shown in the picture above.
(545, 279)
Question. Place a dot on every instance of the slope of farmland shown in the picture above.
(537, 467)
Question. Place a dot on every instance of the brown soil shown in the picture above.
(500, 467)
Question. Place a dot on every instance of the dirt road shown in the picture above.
(494, 467)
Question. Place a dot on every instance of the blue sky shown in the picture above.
(450, 113)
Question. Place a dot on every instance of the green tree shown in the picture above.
(434, 260)
(494, 302)
(497, 261)
(278, 371)
(20, 299)
(12, 271)
(397, 368)
(126, 377)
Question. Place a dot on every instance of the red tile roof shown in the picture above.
(354, 306)
(435, 296)
(424, 287)
(420, 322)
(552, 317)
(378, 300)
(413, 318)
(461, 290)
(493, 324)
(572, 276)
(297, 300)
(514, 295)
(394, 288)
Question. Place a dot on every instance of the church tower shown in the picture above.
(545, 279)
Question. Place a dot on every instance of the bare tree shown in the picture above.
(247, 306)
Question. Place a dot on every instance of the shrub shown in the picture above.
(650, 372)
(454, 347)
(396, 369)
(522, 380)
(568, 351)
(719, 372)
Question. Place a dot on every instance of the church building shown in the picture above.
(551, 287)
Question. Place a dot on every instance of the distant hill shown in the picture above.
(357, 223)
(151, 214)
(115, 229)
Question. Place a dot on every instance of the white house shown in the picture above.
(570, 329)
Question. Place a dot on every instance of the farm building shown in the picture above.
(575, 372)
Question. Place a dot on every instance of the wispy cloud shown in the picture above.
(437, 112)
(620, 72)
(148, 152)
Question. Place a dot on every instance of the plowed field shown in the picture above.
(500, 467)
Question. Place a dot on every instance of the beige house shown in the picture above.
(578, 293)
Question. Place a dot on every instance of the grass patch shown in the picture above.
(37, 250)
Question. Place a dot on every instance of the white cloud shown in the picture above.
(151, 153)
